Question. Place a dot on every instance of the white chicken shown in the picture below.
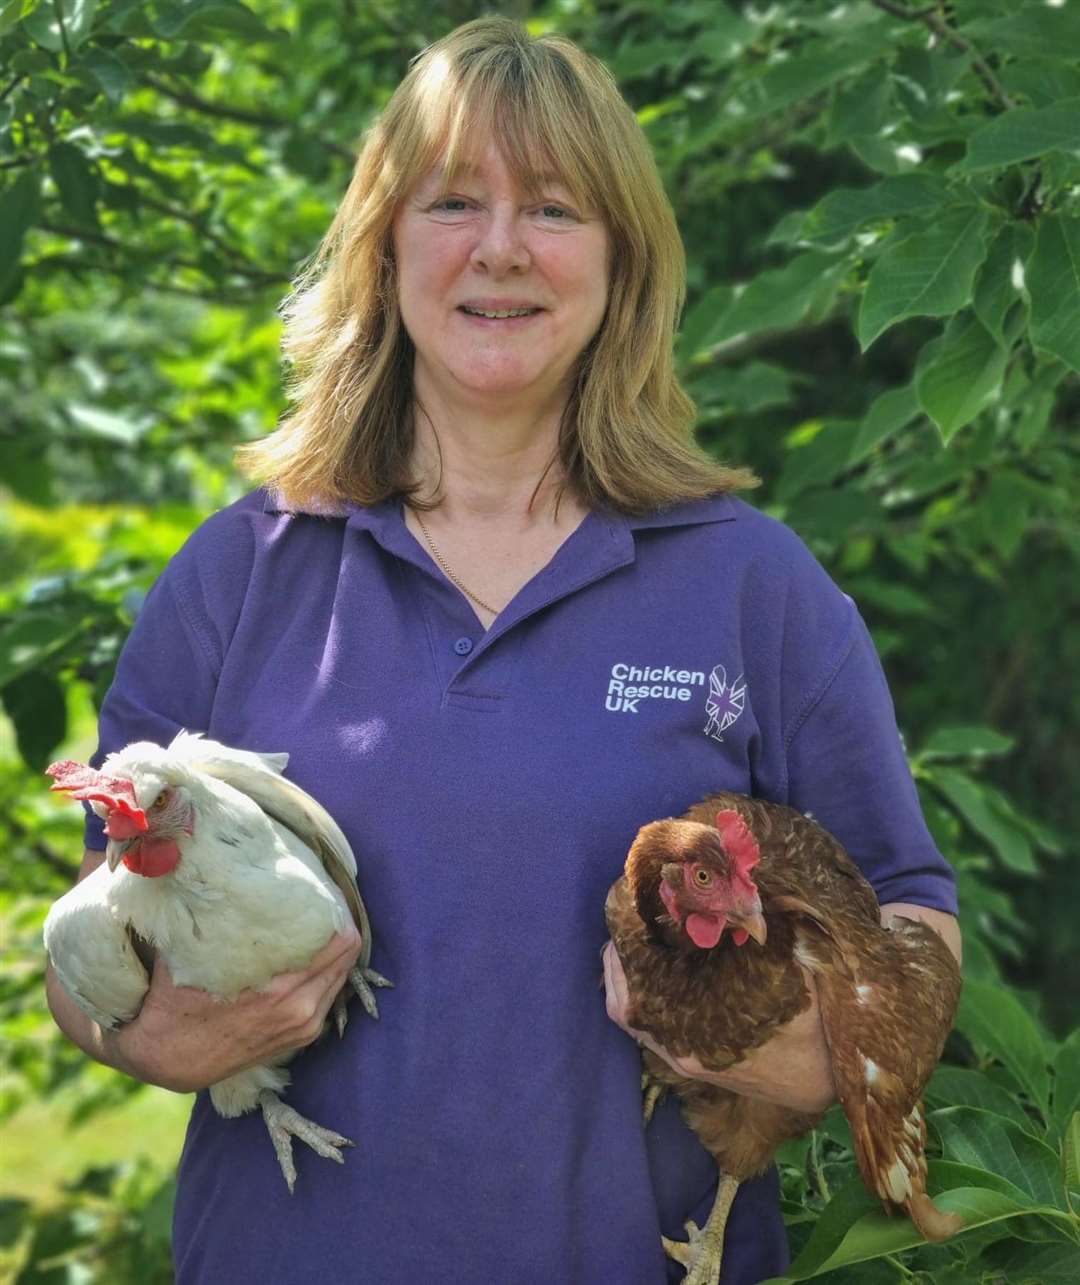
(233, 874)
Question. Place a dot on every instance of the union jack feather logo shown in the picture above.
(724, 703)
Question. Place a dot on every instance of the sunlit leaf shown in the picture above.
(75, 16)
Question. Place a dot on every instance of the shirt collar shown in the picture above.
(377, 517)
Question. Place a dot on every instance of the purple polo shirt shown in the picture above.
(491, 784)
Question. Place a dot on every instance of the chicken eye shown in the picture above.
(702, 877)
(159, 802)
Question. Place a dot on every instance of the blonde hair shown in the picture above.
(626, 437)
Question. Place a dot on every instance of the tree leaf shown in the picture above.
(927, 274)
(1001, 278)
(778, 298)
(207, 18)
(44, 23)
(701, 320)
(858, 108)
(76, 182)
(1070, 1162)
(971, 799)
(109, 424)
(1036, 30)
(846, 209)
(747, 388)
(1053, 277)
(35, 703)
(955, 1086)
(1067, 1079)
(1026, 1264)
(816, 67)
(995, 1022)
(965, 742)
(891, 411)
(13, 11)
(29, 640)
(987, 1141)
(958, 373)
(19, 205)
(1021, 135)
(113, 75)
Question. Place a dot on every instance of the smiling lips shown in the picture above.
(499, 310)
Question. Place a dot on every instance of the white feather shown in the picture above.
(91, 951)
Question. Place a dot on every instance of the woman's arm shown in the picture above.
(794, 1068)
(183, 1039)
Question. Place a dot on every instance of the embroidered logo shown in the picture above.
(724, 703)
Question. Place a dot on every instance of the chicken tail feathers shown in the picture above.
(931, 1223)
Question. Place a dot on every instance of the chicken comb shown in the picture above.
(82, 782)
(739, 843)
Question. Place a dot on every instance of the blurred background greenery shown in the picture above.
(880, 208)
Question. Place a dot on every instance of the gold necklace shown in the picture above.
(444, 566)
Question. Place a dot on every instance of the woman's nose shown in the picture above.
(501, 245)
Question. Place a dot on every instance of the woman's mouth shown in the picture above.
(498, 314)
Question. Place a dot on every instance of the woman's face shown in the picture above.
(483, 245)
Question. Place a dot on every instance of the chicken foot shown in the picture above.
(703, 1252)
(361, 981)
(652, 1091)
(283, 1123)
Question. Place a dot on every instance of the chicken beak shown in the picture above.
(115, 850)
(755, 926)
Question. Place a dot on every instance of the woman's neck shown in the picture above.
(487, 468)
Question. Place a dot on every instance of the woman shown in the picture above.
(501, 612)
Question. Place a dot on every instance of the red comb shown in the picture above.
(83, 782)
(739, 843)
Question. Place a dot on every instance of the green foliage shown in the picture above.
(879, 203)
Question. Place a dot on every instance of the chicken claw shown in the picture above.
(284, 1123)
(359, 979)
(702, 1253)
(652, 1091)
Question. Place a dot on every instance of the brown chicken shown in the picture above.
(711, 921)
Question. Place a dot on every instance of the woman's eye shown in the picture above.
(452, 204)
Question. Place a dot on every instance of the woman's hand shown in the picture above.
(793, 1069)
(184, 1040)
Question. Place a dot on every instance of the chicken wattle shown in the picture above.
(233, 874)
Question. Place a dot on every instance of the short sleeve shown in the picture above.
(847, 767)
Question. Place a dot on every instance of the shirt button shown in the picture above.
(463, 646)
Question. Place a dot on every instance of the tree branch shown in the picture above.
(10, 86)
(44, 852)
(932, 18)
(99, 238)
(186, 98)
(230, 252)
